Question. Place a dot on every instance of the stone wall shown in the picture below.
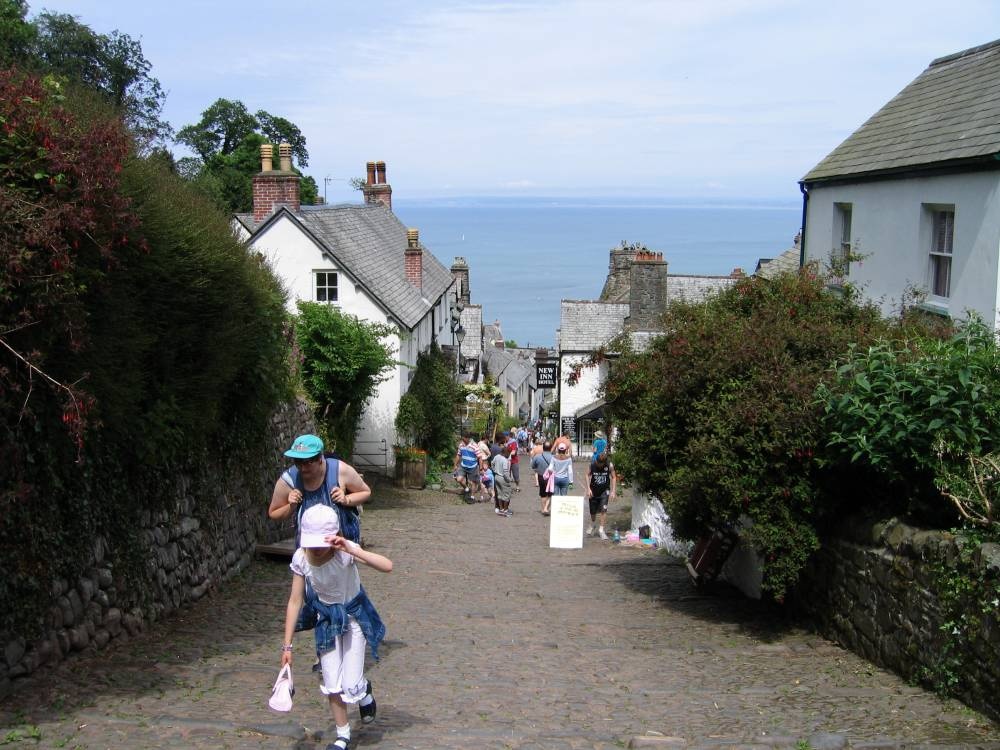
(875, 592)
(193, 546)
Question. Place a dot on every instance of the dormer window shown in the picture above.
(325, 286)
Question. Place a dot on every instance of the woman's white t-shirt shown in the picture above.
(335, 582)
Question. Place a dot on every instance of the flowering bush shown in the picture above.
(717, 416)
(916, 410)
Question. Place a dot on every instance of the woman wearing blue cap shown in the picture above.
(316, 479)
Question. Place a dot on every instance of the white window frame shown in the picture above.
(840, 258)
(941, 253)
(326, 286)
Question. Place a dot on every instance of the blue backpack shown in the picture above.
(350, 520)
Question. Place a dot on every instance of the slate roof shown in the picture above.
(950, 114)
(507, 363)
(586, 325)
(787, 262)
(696, 288)
(368, 242)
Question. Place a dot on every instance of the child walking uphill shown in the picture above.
(327, 596)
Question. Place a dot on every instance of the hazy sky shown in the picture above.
(689, 98)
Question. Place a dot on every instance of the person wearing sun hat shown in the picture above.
(562, 469)
(600, 445)
(315, 479)
(327, 597)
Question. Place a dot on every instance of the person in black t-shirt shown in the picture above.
(601, 487)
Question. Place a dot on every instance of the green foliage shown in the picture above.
(426, 414)
(206, 332)
(17, 36)
(161, 336)
(483, 407)
(510, 344)
(717, 416)
(974, 490)
(111, 64)
(916, 408)
(969, 597)
(344, 360)
(227, 140)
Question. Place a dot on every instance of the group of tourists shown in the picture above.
(491, 471)
(323, 494)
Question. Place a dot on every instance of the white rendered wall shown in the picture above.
(295, 258)
(572, 397)
(890, 227)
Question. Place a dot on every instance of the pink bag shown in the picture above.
(283, 690)
(550, 483)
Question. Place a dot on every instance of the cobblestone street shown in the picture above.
(494, 641)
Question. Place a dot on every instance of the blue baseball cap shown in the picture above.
(305, 446)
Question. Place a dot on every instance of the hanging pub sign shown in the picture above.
(546, 374)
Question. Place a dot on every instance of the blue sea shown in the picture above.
(525, 255)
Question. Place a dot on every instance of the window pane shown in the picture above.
(320, 294)
(941, 266)
(944, 230)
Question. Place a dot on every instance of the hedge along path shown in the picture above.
(494, 641)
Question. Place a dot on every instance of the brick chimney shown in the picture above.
(460, 272)
(647, 291)
(376, 189)
(271, 187)
(413, 258)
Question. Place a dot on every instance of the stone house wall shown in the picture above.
(193, 546)
(875, 591)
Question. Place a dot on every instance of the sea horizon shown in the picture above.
(527, 253)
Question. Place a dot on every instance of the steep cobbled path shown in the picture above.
(495, 641)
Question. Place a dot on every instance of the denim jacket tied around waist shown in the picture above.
(327, 621)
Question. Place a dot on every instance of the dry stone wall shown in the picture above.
(193, 545)
(876, 591)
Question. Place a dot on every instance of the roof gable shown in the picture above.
(368, 242)
(949, 114)
(586, 325)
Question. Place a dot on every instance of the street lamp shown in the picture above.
(460, 337)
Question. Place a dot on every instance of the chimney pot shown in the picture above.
(285, 153)
(266, 157)
(413, 238)
(376, 190)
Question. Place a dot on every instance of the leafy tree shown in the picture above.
(344, 360)
(111, 64)
(510, 344)
(17, 36)
(221, 129)
(227, 140)
(427, 410)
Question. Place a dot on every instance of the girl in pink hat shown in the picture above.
(327, 597)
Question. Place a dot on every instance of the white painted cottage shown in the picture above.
(915, 192)
(362, 259)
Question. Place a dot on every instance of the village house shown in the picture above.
(909, 200)
(362, 259)
(636, 292)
